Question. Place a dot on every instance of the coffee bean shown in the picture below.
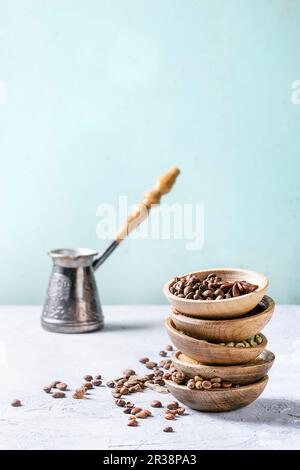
(168, 429)
(143, 360)
(129, 404)
(210, 288)
(173, 405)
(98, 377)
(169, 416)
(47, 389)
(143, 414)
(15, 403)
(79, 394)
(135, 410)
(128, 373)
(156, 404)
(178, 377)
(120, 402)
(97, 382)
(132, 422)
(88, 378)
(62, 386)
(169, 347)
(181, 410)
(127, 411)
(162, 353)
(110, 384)
(88, 385)
(54, 383)
(151, 364)
(58, 395)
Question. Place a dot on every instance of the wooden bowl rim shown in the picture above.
(246, 387)
(170, 326)
(262, 287)
(194, 320)
(229, 368)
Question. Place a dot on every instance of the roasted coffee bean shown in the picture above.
(47, 389)
(15, 403)
(135, 410)
(167, 375)
(116, 395)
(110, 384)
(156, 404)
(143, 414)
(62, 386)
(129, 404)
(120, 402)
(169, 347)
(98, 377)
(168, 429)
(88, 385)
(173, 405)
(173, 412)
(97, 382)
(124, 391)
(128, 373)
(163, 353)
(151, 364)
(160, 382)
(180, 410)
(58, 395)
(54, 383)
(169, 416)
(143, 360)
(79, 394)
(127, 411)
(88, 378)
(178, 377)
(210, 288)
(132, 422)
(207, 293)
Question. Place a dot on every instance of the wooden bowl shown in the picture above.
(218, 399)
(241, 374)
(227, 308)
(212, 353)
(226, 330)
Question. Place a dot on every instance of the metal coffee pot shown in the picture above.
(72, 303)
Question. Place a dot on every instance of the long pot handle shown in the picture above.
(163, 186)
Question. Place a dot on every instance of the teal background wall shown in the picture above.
(103, 96)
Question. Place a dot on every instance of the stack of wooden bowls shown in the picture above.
(196, 327)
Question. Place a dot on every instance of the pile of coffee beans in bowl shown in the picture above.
(212, 287)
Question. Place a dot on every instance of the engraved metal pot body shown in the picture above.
(72, 303)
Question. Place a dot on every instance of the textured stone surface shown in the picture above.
(31, 358)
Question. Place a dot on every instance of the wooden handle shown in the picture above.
(163, 186)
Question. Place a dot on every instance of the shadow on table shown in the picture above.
(276, 412)
(109, 327)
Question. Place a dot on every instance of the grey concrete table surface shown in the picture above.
(31, 358)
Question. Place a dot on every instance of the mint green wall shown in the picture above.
(103, 96)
